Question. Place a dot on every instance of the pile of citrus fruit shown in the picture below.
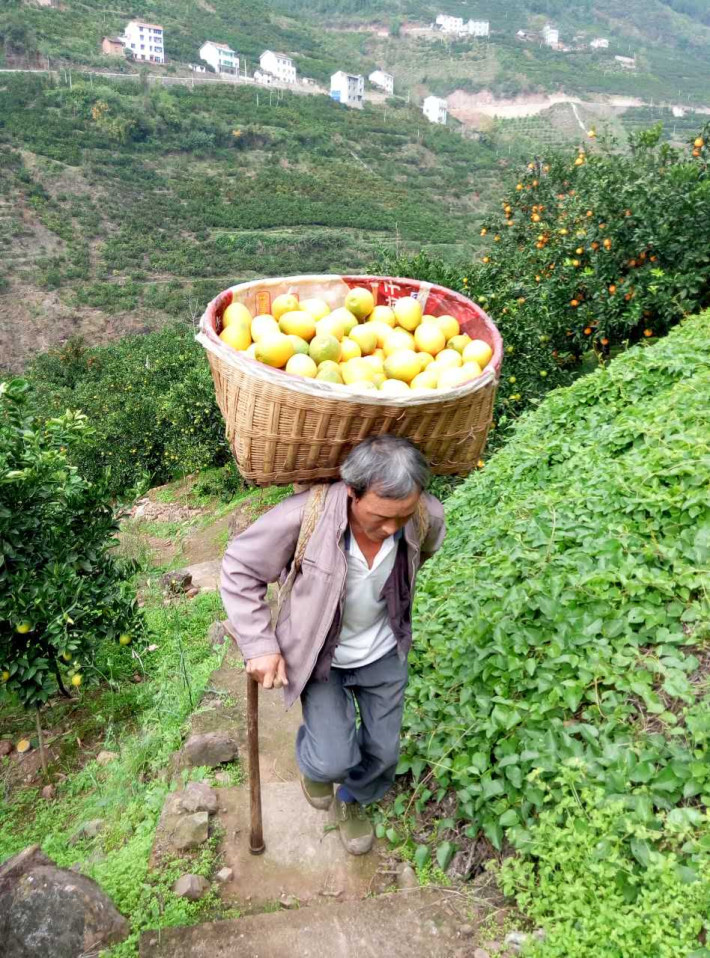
(396, 350)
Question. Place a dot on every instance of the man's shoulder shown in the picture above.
(434, 507)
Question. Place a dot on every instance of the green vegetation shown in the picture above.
(590, 253)
(567, 615)
(62, 592)
(144, 723)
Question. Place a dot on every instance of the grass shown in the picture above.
(144, 723)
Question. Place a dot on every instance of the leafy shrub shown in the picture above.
(61, 589)
(568, 597)
(601, 884)
(590, 253)
(150, 400)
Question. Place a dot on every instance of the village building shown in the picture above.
(145, 41)
(551, 35)
(628, 63)
(435, 109)
(600, 43)
(385, 81)
(113, 46)
(278, 65)
(348, 88)
(220, 57)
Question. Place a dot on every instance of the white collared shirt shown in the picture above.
(366, 634)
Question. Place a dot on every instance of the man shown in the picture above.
(343, 630)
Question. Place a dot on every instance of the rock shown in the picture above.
(516, 941)
(223, 778)
(190, 831)
(481, 953)
(197, 797)
(539, 934)
(87, 830)
(176, 582)
(218, 633)
(104, 757)
(210, 748)
(407, 877)
(48, 792)
(192, 592)
(224, 875)
(46, 910)
(191, 886)
(289, 901)
(494, 947)
(5, 747)
(466, 931)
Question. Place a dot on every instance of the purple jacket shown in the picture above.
(306, 630)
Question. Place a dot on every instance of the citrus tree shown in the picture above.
(590, 252)
(62, 589)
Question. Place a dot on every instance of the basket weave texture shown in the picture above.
(284, 428)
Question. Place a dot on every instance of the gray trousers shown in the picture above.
(329, 745)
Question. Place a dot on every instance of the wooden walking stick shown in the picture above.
(256, 832)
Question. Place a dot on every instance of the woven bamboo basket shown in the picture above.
(285, 428)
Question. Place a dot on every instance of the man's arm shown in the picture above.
(437, 528)
(254, 559)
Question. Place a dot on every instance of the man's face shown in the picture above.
(379, 518)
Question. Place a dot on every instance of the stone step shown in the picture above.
(422, 923)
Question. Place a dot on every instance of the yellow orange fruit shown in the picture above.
(375, 362)
(470, 370)
(345, 318)
(236, 313)
(76, 680)
(300, 365)
(263, 325)
(285, 303)
(380, 353)
(459, 342)
(329, 375)
(24, 745)
(394, 387)
(298, 323)
(274, 349)
(451, 377)
(251, 352)
(477, 351)
(318, 308)
(380, 329)
(360, 302)
(23, 628)
(363, 386)
(449, 358)
(349, 349)
(449, 325)
(366, 339)
(425, 380)
(379, 376)
(356, 371)
(331, 325)
(425, 359)
(299, 345)
(324, 347)
(429, 338)
(237, 336)
(428, 318)
(123, 639)
(408, 312)
(382, 314)
(402, 364)
(398, 339)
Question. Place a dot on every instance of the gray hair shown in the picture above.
(390, 466)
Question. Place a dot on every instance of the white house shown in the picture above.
(551, 35)
(449, 24)
(348, 88)
(629, 63)
(477, 28)
(220, 57)
(145, 41)
(435, 109)
(278, 65)
(385, 81)
(600, 43)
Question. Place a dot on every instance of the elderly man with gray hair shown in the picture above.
(347, 556)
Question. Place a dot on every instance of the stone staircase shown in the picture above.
(305, 896)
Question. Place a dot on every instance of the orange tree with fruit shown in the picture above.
(589, 252)
(62, 588)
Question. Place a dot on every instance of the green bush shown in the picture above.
(61, 589)
(568, 603)
(587, 258)
(602, 885)
(150, 400)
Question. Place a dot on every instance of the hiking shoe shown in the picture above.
(356, 831)
(318, 794)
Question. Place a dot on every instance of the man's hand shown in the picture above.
(268, 670)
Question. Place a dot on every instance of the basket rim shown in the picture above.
(208, 338)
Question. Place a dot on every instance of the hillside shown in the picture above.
(138, 204)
